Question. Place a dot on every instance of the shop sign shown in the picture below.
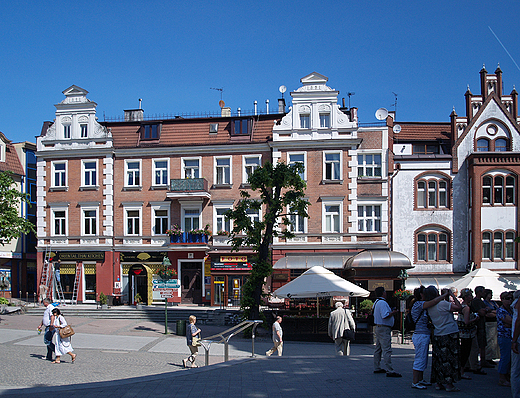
(231, 266)
(233, 259)
(10, 255)
(142, 257)
(166, 293)
(165, 284)
(74, 256)
(387, 284)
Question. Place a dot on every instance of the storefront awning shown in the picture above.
(378, 259)
(305, 262)
(439, 281)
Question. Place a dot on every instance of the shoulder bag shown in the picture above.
(66, 331)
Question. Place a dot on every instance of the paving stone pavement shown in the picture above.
(133, 358)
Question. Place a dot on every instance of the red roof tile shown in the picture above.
(423, 131)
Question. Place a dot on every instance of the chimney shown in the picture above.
(225, 111)
(281, 105)
(134, 115)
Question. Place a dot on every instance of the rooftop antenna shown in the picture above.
(395, 104)
(349, 95)
(221, 89)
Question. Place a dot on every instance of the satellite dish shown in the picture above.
(397, 129)
(221, 104)
(381, 114)
(282, 89)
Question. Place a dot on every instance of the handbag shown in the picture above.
(196, 342)
(349, 334)
(66, 331)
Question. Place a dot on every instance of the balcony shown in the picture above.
(189, 238)
(196, 188)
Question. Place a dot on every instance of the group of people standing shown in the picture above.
(51, 323)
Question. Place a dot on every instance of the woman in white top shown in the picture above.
(445, 341)
(63, 345)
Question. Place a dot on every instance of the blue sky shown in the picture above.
(171, 54)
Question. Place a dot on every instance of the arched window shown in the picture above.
(498, 189)
(500, 145)
(432, 246)
(431, 192)
(498, 245)
(482, 145)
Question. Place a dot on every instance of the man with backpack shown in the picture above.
(340, 320)
(384, 321)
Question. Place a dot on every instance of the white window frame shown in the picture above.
(373, 218)
(83, 130)
(65, 172)
(339, 178)
(324, 117)
(245, 175)
(216, 171)
(67, 130)
(2, 151)
(324, 213)
(190, 205)
(305, 117)
(54, 210)
(160, 206)
(84, 172)
(372, 166)
(155, 169)
(83, 219)
(139, 161)
(253, 216)
(126, 209)
(289, 162)
(199, 167)
(299, 221)
(224, 205)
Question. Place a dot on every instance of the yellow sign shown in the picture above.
(207, 266)
(233, 259)
(387, 284)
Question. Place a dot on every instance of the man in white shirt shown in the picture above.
(277, 338)
(384, 321)
(48, 333)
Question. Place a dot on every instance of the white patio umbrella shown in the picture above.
(488, 279)
(319, 282)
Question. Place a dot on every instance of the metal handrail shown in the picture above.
(222, 339)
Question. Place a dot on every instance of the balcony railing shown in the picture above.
(188, 237)
(188, 184)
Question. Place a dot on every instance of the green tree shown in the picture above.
(281, 188)
(12, 225)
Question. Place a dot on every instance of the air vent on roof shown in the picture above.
(213, 128)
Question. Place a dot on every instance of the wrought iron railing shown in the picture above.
(188, 184)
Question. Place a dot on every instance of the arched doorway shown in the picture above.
(139, 281)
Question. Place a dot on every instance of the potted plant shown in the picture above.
(138, 299)
(167, 273)
(103, 300)
(175, 234)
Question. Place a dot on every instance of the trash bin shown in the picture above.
(181, 328)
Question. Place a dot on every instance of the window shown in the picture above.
(221, 221)
(66, 131)
(482, 145)
(83, 130)
(305, 121)
(432, 246)
(89, 222)
(324, 120)
(297, 222)
(223, 171)
(191, 168)
(425, 149)
(496, 248)
(294, 158)
(432, 192)
(160, 172)
(150, 131)
(161, 221)
(332, 218)
(369, 165)
(251, 163)
(89, 173)
(369, 218)
(498, 189)
(60, 222)
(241, 126)
(133, 221)
(133, 173)
(253, 214)
(191, 219)
(59, 174)
(500, 145)
(332, 166)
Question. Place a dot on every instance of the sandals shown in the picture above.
(56, 362)
(74, 357)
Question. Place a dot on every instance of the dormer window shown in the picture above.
(241, 126)
(2, 152)
(151, 131)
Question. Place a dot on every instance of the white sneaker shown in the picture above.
(425, 383)
(419, 386)
(268, 353)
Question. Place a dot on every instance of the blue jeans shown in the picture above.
(515, 375)
(47, 339)
(504, 343)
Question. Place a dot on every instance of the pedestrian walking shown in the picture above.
(277, 338)
(63, 345)
(515, 354)
(48, 331)
(504, 324)
(193, 342)
(340, 320)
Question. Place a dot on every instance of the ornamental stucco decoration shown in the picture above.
(324, 107)
(305, 109)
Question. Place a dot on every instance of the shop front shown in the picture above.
(228, 275)
(139, 270)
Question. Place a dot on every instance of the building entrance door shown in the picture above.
(191, 282)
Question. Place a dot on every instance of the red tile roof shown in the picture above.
(12, 162)
(423, 131)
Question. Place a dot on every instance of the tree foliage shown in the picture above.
(281, 189)
(12, 225)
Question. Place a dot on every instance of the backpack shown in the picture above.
(409, 322)
(370, 318)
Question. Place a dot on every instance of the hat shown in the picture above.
(465, 292)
